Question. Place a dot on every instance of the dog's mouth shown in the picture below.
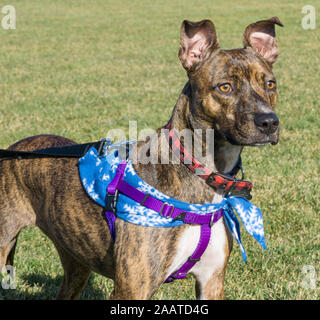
(265, 139)
(263, 143)
(253, 141)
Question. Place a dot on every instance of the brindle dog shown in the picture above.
(231, 91)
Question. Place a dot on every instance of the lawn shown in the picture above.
(80, 68)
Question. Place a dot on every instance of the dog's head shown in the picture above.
(233, 91)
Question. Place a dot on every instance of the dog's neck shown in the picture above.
(218, 154)
(177, 180)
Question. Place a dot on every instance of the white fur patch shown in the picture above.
(212, 259)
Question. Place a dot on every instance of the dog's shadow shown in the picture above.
(46, 288)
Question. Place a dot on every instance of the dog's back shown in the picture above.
(40, 142)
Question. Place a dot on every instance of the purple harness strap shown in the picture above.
(166, 210)
(112, 194)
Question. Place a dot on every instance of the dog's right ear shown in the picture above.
(197, 41)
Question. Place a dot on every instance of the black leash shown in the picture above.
(73, 151)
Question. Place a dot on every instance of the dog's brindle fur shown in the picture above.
(48, 193)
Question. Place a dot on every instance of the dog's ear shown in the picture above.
(197, 41)
(261, 36)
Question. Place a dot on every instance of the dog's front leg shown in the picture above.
(140, 260)
(132, 280)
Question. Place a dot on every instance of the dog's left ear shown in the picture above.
(197, 41)
(261, 36)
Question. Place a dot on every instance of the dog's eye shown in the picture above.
(271, 85)
(225, 88)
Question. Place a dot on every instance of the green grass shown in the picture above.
(80, 68)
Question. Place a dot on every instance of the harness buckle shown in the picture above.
(244, 193)
(111, 201)
(162, 208)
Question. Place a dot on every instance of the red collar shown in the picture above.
(227, 182)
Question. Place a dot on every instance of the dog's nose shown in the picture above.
(267, 122)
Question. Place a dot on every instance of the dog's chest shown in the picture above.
(214, 256)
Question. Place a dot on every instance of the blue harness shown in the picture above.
(96, 173)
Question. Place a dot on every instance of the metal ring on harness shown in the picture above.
(162, 208)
